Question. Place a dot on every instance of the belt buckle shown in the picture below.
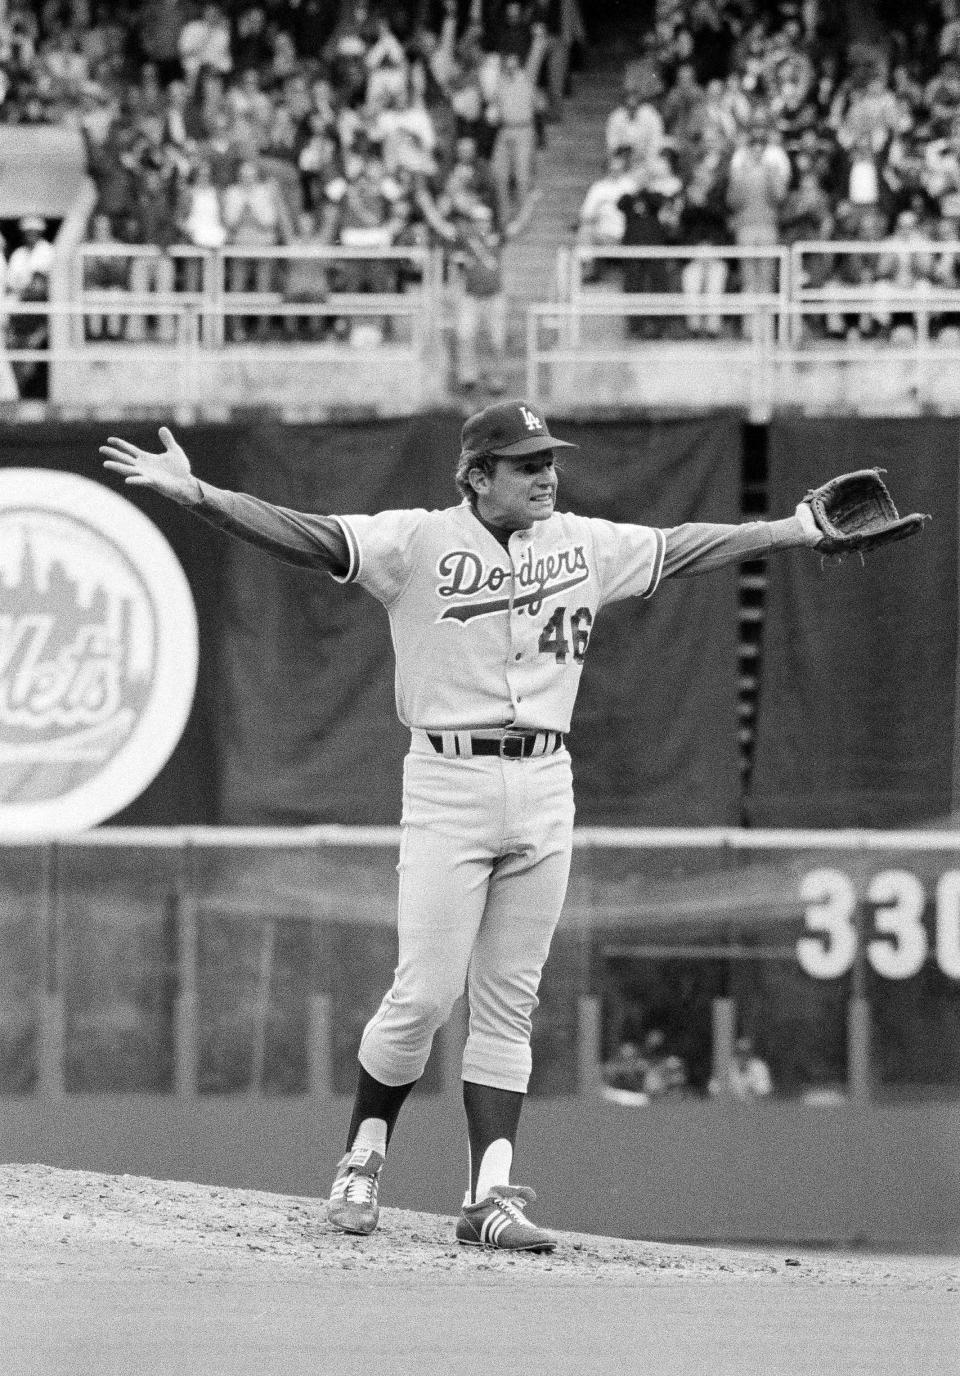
(516, 739)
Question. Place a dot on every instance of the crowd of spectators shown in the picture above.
(284, 122)
(750, 125)
(641, 1072)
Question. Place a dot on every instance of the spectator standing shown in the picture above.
(63, 64)
(806, 212)
(514, 149)
(283, 59)
(175, 117)
(467, 180)
(207, 104)
(250, 44)
(683, 105)
(465, 92)
(863, 176)
(306, 282)
(635, 123)
(601, 220)
(204, 43)
(222, 150)
(158, 27)
(906, 267)
(318, 161)
(255, 217)
(278, 157)
(152, 222)
(106, 274)
(147, 94)
(32, 258)
(756, 189)
(873, 114)
(30, 330)
(646, 226)
(250, 106)
(200, 210)
(200, 218)
(481, 307)
(703, 223)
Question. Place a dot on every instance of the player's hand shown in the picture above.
(167, 472)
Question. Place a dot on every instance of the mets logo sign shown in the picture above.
(98, 652)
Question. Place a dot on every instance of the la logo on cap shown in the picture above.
(531, 421)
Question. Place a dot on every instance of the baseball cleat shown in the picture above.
(498, 1221)
(354, 1196)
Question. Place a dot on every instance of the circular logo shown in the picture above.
(98, 652)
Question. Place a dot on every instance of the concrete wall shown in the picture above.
(301, 384)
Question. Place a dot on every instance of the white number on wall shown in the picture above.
(899, 900)
(948, 924)
(831, 901)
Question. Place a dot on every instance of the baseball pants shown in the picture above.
(484, 860)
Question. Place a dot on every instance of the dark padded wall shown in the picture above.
(654, 739)
(856, 724)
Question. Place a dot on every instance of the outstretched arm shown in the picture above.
(295, 537)
(701, 547)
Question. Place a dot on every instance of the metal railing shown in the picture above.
(238, 290)
(193, 311)
(760, 351)
(763, 273)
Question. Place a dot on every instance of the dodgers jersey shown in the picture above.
(487, 636)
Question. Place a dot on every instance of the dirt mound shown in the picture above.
(153, 1225)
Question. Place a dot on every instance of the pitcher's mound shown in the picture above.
(142, 1224)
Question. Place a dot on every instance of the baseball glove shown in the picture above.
(855, 512)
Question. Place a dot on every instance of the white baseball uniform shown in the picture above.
(489, 637)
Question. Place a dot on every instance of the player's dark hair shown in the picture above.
(468, 462)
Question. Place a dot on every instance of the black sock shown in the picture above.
(374, 1100)
(492, 1114)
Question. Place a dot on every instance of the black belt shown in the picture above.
(509, 746)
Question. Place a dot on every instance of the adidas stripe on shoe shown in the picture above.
(498, 1221)
(354, 1196)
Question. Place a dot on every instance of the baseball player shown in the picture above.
(491, 605)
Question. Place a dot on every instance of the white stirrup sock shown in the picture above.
(372, 1132)
(494, 1167)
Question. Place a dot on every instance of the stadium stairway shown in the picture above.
(572, 159)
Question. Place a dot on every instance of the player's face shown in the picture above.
(519, 492)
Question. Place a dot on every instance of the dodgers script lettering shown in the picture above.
(464, 574)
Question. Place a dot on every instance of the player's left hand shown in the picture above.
(810, 528)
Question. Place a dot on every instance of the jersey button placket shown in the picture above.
(516, 627)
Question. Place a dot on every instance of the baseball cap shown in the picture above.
(510, 430)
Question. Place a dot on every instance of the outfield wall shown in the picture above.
(222, 981)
